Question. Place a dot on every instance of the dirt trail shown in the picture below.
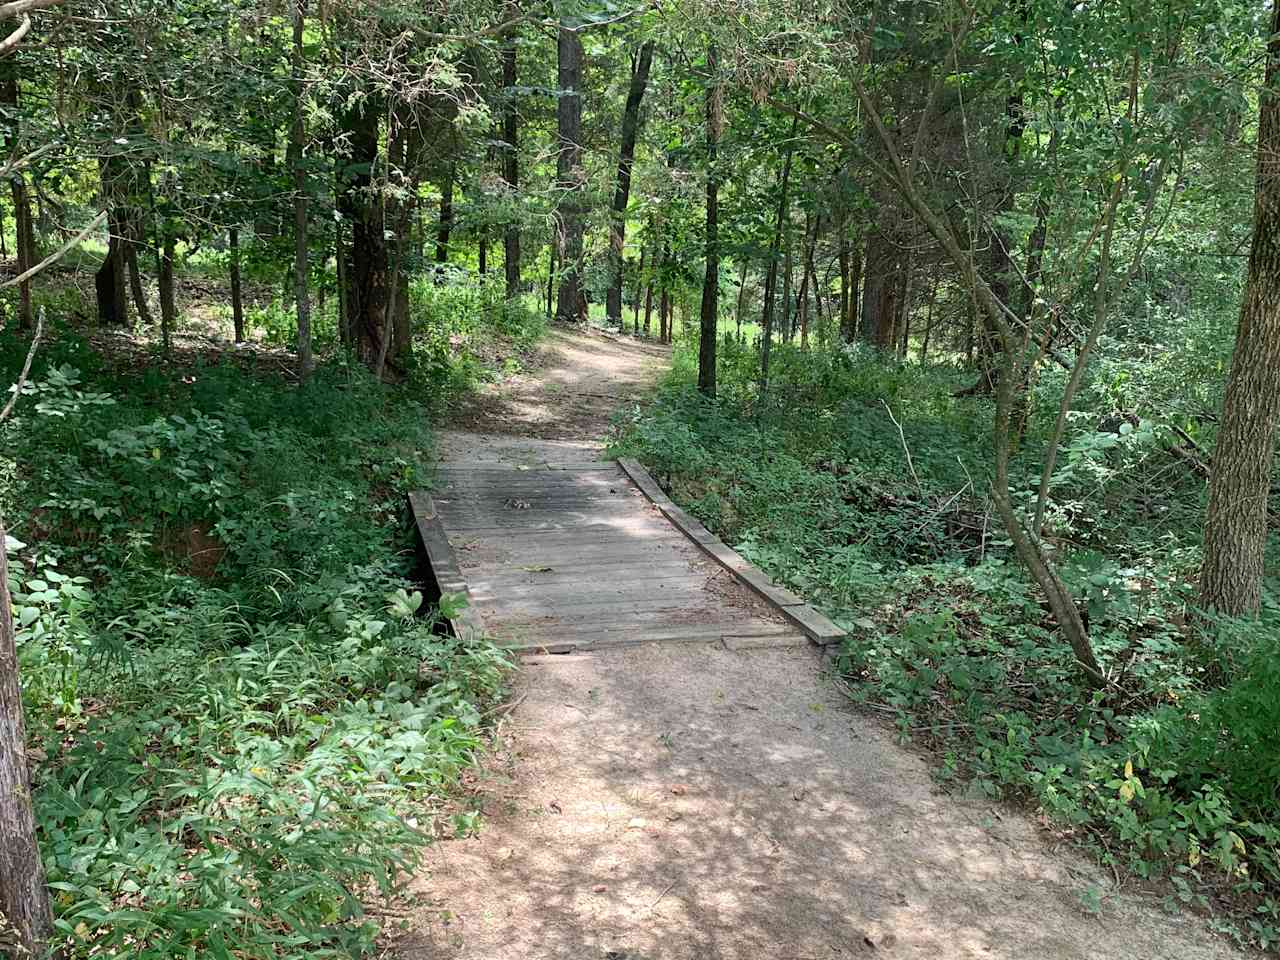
(682, 802)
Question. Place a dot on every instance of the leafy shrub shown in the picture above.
(1174, 772)
(245, 720)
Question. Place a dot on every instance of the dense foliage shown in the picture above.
(1172, 772)
(243, 721)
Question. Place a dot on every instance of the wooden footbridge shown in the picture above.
(557, 557)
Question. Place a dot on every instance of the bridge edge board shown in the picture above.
(818, 628)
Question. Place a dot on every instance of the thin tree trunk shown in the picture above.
(771, 278)
(297, 138)
(553, 250)
(445, 226)
(928, 321)
(24, 898)
(1235, 532)
(571, 304)
(741, 304)
(367, 272)
(237, 296)
(849, 320)
(622, 192)
(635, 305)
(168, 307)
(710, 313)
(25, 247)
(135, 285)
(482, 254)
(511, 165)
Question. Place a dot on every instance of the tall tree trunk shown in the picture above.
(366, 269)
(445, 225)
(771, 278)
(788, 271)
(1235, 533)
(109, 281)
(553, 249)
(844, 257)
(482, 251)
(740, 305)
(622, 192)
(237, 295)
(928, 320)
(635, 300)
(297, 138)
(879, 298)
(135, 284)
(571, 304)
(849, 319)
(511, 165)
(168, 307)
(24, 245)
(24, 898)
(710, 314)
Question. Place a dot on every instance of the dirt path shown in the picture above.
(691, 802)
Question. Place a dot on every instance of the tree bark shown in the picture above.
(1235, 532)
(24, 898)
(571, 304)
(710, 314)
(109, 281)
(445, 225)
(635, 302)
(237, 296)
(168, 307)
(511, 165)
(622, 192)
(297, 137)
(135, 284)
(366, 269)
(771, 278)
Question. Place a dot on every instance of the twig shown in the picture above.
(26, 368)
(57, 254)
(662, 894)
(903, 437)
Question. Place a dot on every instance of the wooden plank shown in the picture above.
(568, 610)
(467, 623)
(817, 627)
(586, 535)
(641, 478)
(572, 588)
(456, 517)
(497, 474)
(695, 565)
(720, 621)
(552, 643)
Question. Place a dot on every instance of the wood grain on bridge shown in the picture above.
(567, 556)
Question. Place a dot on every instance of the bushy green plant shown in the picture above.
(1173, 772)
(245, 721)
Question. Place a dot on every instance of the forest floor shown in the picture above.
(680, 802)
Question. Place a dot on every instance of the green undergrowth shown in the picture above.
(245, 726)
(861, 483)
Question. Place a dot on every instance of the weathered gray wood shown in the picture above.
(467, 623)
(594, 555)
(563, 643)
(817, 627)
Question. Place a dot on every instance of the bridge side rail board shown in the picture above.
(809, 621)
(467, 623)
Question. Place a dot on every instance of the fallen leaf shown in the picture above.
(679, 789)
(599, 888)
